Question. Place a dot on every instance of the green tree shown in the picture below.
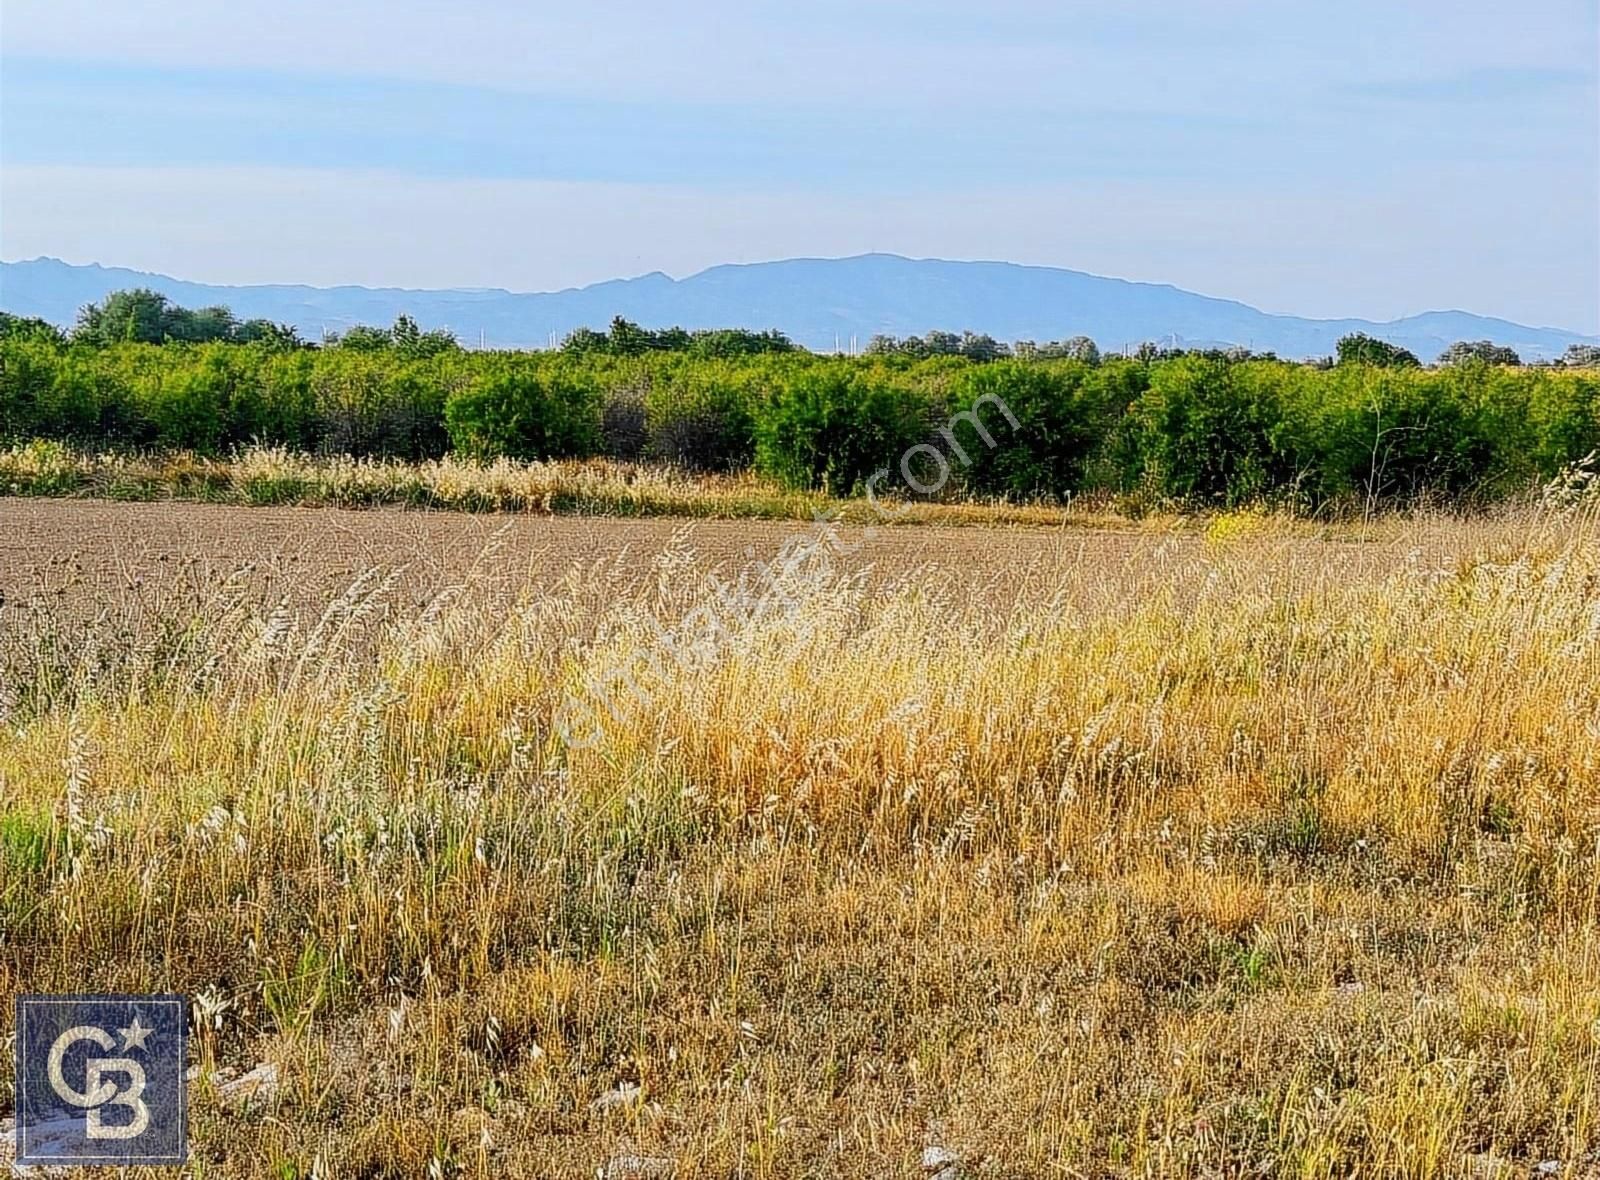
(1487, 352)
(364, 338)
(628, 338)
(981, 347)
(1077, 348)
(142, 316)
(670, 340)
(1360, 349)
(137, 316)
(586, 341)
(412, 343)
(272, 335)
(1081, 348)
(725, 343)
(27, 327)
(205, 325)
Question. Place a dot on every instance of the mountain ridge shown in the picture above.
(818, 302)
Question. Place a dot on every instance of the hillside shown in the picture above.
(820, 302)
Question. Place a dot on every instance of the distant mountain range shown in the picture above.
(821, 303)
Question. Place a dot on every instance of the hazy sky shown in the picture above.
(1335, 158)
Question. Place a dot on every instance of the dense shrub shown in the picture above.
(1563, 418)
(623, 430)
(30, 368)
(831, 425)
(1383, 434)
(1203, 429)
(1035, 429)
(702, 417)
(188, 406)
(369, 404)
(515, 410)
(1207, 430)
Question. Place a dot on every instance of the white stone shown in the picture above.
(255, 1088)
(624, 1095)
(940, 1163)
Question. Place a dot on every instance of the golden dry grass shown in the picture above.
(1241, 855)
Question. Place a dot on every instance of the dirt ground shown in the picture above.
(80, 558)
(86, 548)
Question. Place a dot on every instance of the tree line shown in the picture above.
(1220, 428)
(143, 316)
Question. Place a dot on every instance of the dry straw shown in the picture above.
(1240, 854)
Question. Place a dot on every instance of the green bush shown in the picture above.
(515, 411)
(1063, 412)
(90, 400)
(1204, 431)
(1192, 429)
(29, 368)
(369, 403)
(1385, 435)
(831, 425)
(702, 417)
(1563, 418)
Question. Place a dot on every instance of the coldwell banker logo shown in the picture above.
(100, 1080)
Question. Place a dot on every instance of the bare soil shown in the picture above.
(86, 556)
(83, 550)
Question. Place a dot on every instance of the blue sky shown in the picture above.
(1358, 158)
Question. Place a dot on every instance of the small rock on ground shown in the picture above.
(940, 1163)
(255, 1088)
(623, 1096)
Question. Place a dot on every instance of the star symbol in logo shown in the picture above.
(133, 1036)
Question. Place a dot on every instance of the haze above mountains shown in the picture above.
(821, 303)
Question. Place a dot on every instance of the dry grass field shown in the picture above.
(1230, 850)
